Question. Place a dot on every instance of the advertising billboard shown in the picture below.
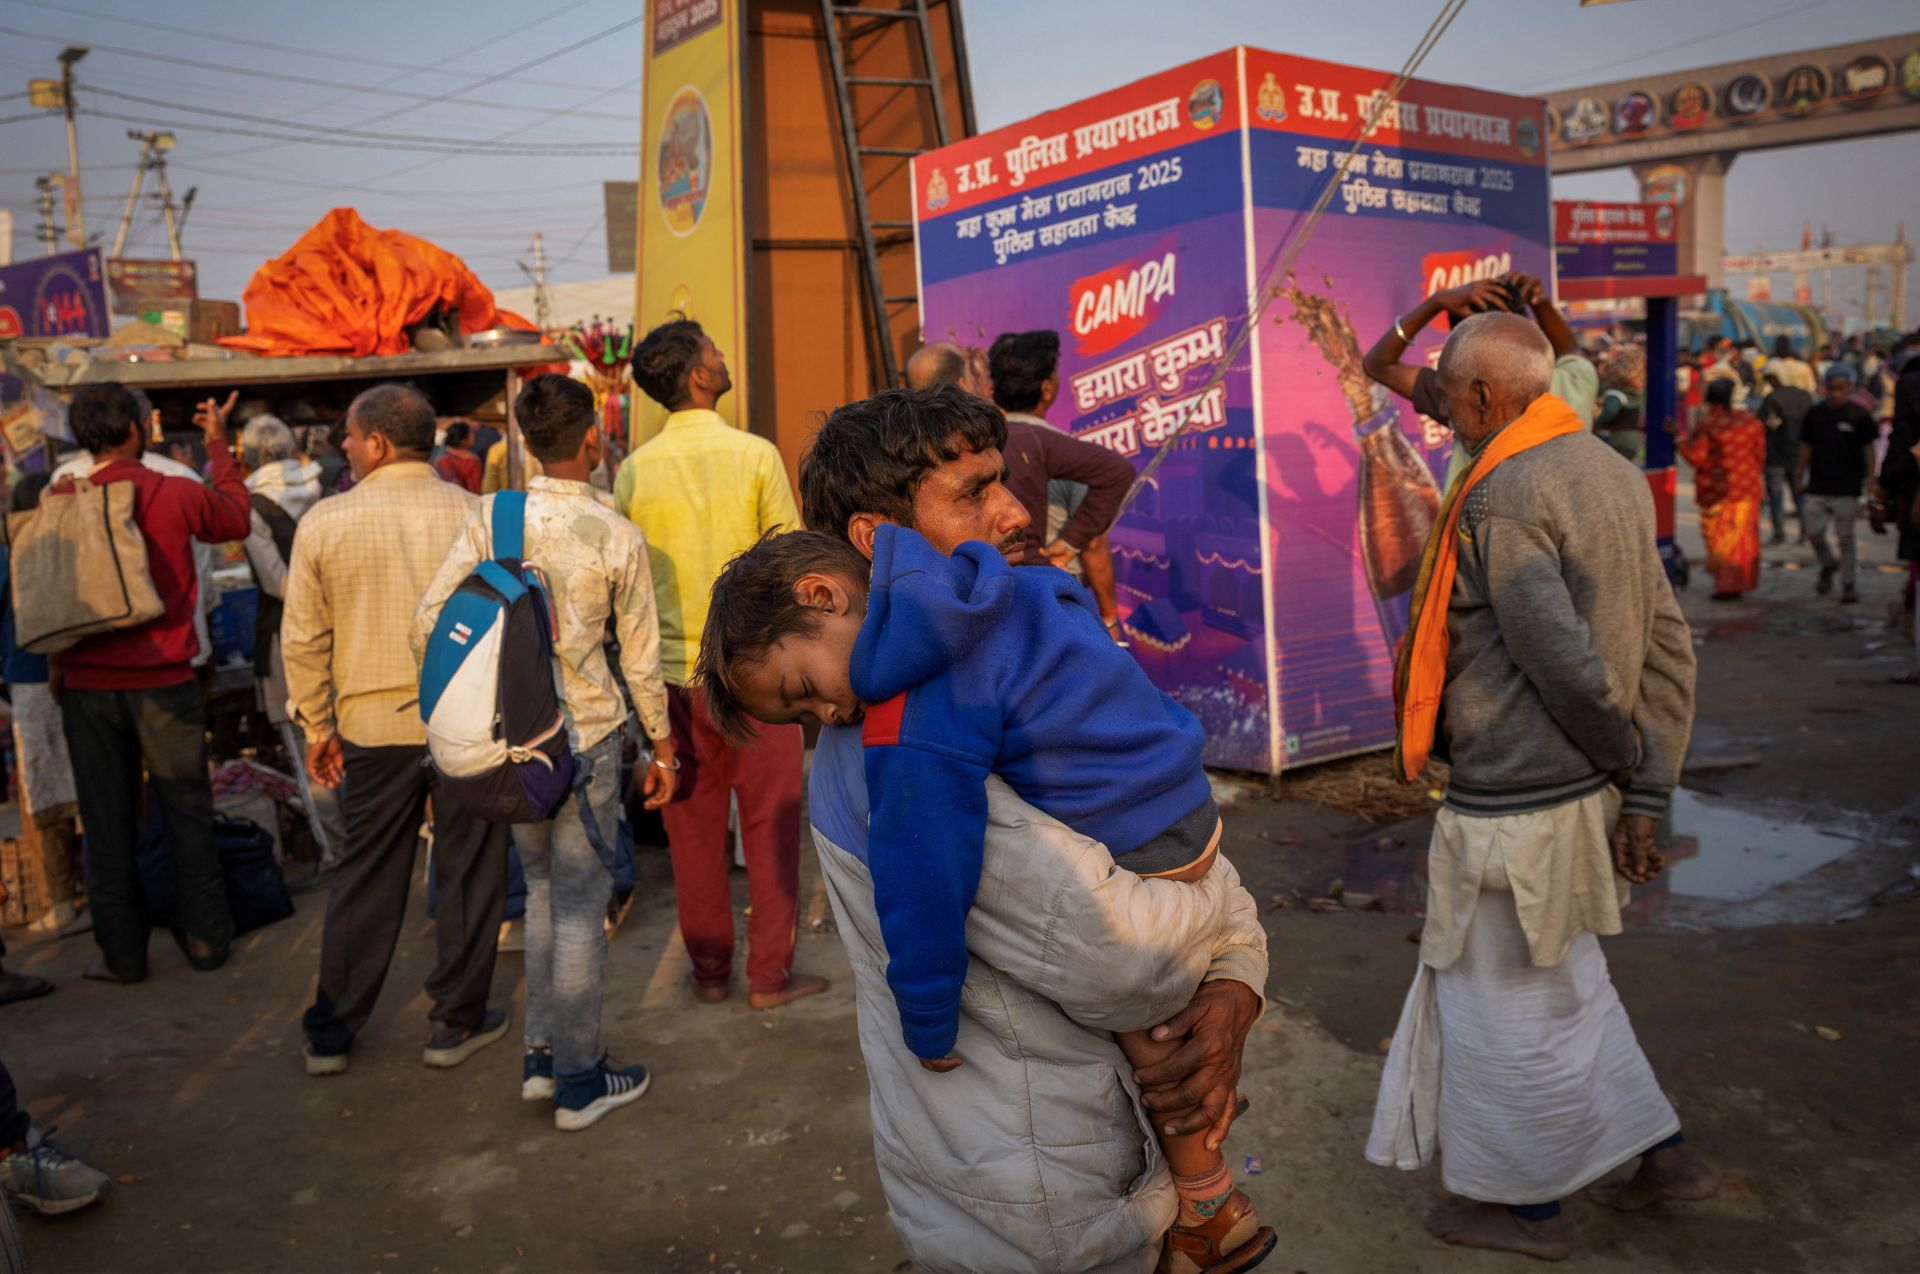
(1614, 240)
(690, 223)
(60, 295)
(1264, 569)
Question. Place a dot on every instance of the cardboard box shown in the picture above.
(208, 321)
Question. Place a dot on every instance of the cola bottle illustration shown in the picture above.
(1399, 501)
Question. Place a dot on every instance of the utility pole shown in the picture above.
(47, 231)
(541, 309)
(153, 155)
(77, 229)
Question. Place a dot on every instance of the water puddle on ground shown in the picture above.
(1730, 855)
(1723, 860)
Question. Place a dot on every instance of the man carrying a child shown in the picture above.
(1012, 1135)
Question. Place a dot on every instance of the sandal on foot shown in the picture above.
(1232, 1241)
(15, 987)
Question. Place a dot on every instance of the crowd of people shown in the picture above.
(1005, 811)
(1805, 442)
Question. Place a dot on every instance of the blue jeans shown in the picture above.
(567, 893)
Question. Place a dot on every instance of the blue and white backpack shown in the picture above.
(496, 727)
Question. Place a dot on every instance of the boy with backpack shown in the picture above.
(531, 578)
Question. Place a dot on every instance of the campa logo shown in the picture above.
(1114, 306)
(1445, 270)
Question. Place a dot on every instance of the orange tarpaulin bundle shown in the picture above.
(346, 288)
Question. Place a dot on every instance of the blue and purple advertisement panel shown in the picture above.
(60, 295)
(1450, 187)
(1136, 224)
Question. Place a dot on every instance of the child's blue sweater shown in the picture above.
(970, 667)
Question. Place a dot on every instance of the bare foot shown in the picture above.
(1490, 1226)
(1673, 1173)
(705, 993)
(99, 972)
(799, 985)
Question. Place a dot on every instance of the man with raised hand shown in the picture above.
(1547, 660)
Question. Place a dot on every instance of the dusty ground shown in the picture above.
(751, 1151)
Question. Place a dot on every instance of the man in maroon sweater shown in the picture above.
(130, 696)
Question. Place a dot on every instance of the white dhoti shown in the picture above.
(1527, 1080)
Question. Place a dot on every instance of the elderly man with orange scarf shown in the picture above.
(1548, 662)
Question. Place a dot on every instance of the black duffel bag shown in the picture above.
(256, 890)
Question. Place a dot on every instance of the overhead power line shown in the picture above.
(328, 130)
(287, 77)
(512, 71)
(521, 150)
(1566, 79)
(68, 11)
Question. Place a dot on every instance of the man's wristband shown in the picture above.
(1404, 338)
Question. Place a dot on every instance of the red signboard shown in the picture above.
(1149, 116)
(1324, 99)
(675, 21)
(143, 287)
(1585, 222)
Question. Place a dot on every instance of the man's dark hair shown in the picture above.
(555, 414)
(753, 609)
(662, 360)
(399, 413)
(871, 456)
(26, 492)
(101, 415)
(1782, 347)
(1021, 362)
(459, 433)
(1720, 392)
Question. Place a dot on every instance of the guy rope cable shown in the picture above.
(1283, 258)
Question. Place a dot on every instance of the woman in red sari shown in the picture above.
(1728, 452)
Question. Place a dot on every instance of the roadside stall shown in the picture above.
(413, 313)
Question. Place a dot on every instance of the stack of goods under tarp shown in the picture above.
(346, 288)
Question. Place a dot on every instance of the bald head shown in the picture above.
(936, 363)
(1492, 368)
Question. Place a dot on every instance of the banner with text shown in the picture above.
(1119, 222)
(1450, 187)
(1261, 573)
(691, 225)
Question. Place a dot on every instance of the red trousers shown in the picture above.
(764, 776)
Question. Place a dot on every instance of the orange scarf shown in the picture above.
(1420, 671)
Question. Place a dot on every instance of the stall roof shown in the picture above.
(241, 370)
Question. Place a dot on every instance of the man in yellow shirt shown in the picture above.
(493, 472)
(703, 492)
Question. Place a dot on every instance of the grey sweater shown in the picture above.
(1569, 660)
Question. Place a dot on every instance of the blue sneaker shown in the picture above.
(49, 1178)
(581, 1102)
(536, 1075)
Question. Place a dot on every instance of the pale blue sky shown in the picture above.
(454, 72)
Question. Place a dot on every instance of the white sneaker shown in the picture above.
(582, 1103)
